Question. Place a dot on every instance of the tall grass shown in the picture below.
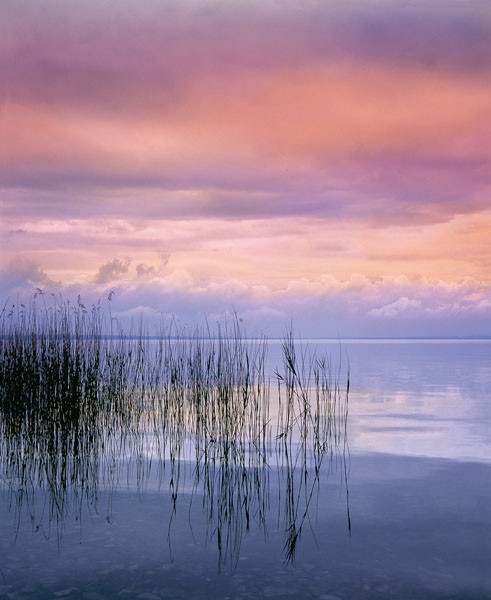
(84, 403)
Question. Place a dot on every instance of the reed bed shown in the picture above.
(85, 403)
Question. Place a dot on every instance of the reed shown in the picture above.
(85, 403)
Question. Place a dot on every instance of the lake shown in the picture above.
(398, 506)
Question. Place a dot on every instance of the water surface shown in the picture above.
(404, 514)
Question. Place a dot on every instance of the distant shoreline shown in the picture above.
(307, 340)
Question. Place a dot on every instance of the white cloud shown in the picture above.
(382, 307)
(484, 306)
(402, 307)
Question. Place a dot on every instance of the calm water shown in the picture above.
(406, 514)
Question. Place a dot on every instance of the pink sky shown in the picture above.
(322, 161)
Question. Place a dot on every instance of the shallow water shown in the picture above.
(417, 485)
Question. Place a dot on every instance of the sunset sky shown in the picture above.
(326, 162)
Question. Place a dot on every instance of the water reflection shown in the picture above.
(433, 424)
(81, 413)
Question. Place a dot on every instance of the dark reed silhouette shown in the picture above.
(85, 404)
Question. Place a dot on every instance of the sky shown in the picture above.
(321, 163)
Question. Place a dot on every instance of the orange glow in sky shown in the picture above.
(330, 164)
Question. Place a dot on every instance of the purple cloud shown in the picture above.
(112, 269)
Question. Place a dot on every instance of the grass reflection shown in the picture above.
(84, 404)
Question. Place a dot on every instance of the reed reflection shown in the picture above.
(85, 406)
